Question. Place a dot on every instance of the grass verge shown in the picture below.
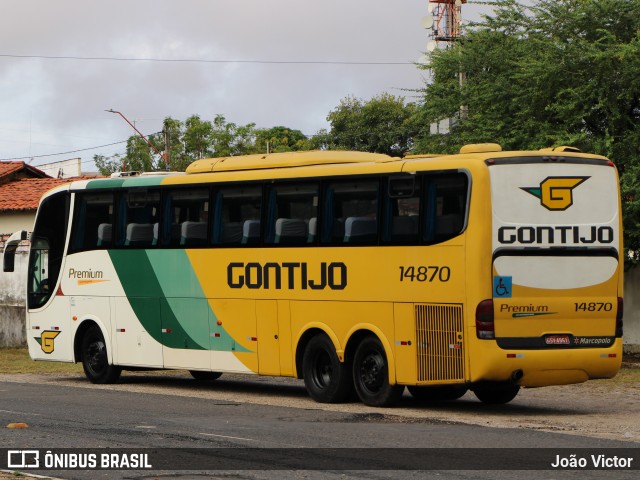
(17, 360)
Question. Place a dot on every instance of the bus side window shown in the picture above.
(401, 218)
(185, 221)
(92, 221)
(137, 216)
(446, 204)
(293, 210)
(350, 213)
(236, 218)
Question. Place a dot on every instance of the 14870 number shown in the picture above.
(424, 273)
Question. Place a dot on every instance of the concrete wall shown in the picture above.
(632, 311)
(12, 301)
(15, 221)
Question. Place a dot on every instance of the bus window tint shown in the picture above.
(47, 249)
(402, 220)
(185, 221)
(446, 203)
(92, 222)
(237, 216)
(293, 213)
(351, 212)
(138, 218)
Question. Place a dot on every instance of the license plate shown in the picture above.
(557, 340)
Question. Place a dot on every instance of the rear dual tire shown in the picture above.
(326, 378)
(371, 375)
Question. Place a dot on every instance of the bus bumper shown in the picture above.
(539, 368)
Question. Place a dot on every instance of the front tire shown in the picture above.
(326, 379)
(371, 375)
(94, 358)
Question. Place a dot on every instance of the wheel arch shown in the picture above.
(85, 325)
(303, 340)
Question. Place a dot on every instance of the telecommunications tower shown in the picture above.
(443, 21)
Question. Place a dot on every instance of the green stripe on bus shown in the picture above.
(141, 285)
(105, 183)
(168, 276)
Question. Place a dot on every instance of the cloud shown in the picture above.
(60, 103)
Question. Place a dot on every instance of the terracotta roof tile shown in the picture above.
(25, 194)
(7, 168)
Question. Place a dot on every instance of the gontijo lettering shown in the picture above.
(292, 275)
(554, 235)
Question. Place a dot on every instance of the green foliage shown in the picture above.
(196, 138)
(555, 72)
(281, 139)
(108, 165)
(384, 124)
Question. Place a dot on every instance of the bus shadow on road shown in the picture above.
(280, 389)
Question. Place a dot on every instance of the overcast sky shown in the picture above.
(57, 105)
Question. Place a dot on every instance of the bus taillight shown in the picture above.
(619, 314)
(485, 328)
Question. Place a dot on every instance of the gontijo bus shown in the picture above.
(485, 270)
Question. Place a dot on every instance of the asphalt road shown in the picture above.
(61, 416)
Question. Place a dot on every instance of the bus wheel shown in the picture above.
(327, 380)
(94, 358)
(496, 395)
(201, 376)
(371, 375)
(437, 394)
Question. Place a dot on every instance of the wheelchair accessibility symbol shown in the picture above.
(502, 287)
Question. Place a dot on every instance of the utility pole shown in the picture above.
(153, 147)
(167, 149)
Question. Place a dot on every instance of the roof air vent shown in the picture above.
(481, 148)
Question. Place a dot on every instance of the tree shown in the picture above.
(281, 139)
(196, 138)
(556, 72)
(384, 124)
(108, 165)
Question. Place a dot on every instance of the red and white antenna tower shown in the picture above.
(444, 20)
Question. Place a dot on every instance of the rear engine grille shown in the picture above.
(439, 335)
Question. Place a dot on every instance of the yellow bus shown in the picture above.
(360, 273)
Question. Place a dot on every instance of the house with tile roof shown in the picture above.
(21, 187)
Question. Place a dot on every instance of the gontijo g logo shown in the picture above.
(46, 340)
(556, 193)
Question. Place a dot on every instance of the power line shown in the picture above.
(195, 60)
(69, 152)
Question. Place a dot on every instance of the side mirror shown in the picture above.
(9, 254)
